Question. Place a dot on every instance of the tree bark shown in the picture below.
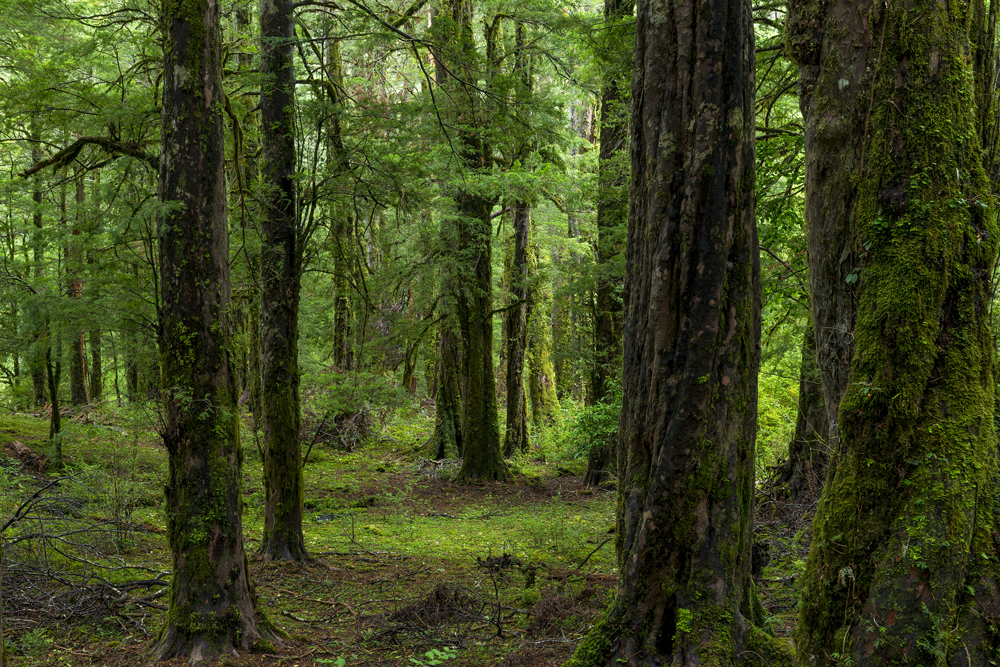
(691, 351)
(831, 41)
(446, 442)
(53, 372)
(40, 337)
(280, 270)
(516, 436)
(211, 609)
(545, 408)
(96, 370)
(903, 565)
(74, 266)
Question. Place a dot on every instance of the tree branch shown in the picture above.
(68, 154)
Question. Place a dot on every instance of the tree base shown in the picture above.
(203, 648)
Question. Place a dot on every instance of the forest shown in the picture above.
(499, 332)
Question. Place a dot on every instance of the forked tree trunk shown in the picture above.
(211, 609)
(280, 272)
(903, 565)
(691, 351)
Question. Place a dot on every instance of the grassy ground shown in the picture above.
(407, 561)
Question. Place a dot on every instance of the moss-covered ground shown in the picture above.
(407, 560)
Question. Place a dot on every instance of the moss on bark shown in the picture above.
(903, 565)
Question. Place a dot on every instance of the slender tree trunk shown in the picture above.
(612, 219)
(903, 565)
(211, 609)
(343, 223)
(281, 269)
(74, 265)
(39, 347)
(545, 408)
(53, 373)
(831, 42)
(96, 371)
(805, 469)
(691, 351)
(516, 436)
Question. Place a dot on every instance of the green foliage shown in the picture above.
(435, 657)
(595, 425)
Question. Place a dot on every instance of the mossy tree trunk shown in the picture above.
(545, 409)
(691, 351)
(40, 338)
(516, 335)
(612, 219)
(280, 271)
(53, 373)
(343, 222)
(482, 458)
(96, 389)
(903, 565)
(805, 469)
(831, 42)
(446, 442)
(74, 270)
(211, 610)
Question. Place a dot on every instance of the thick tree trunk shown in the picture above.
(516, 436)
(691, 351)
(612, 219)
(211, 608)
(805, 469)
(831, 41)
(903, 565)
(281, 268)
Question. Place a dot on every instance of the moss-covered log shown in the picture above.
(903, 566)
(280, 273)
(211, 610)
(691, 351)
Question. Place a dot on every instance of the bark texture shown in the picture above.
(516, 436)
(211, 610)
(446, 442)
(831, 40)
(691, 351)
(545, 408)
(903, 564)
(280, 273)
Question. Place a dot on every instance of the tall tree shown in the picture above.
(612, 217)
(691, 350)
(903, 564)
(280, 274)
(823, 38)
(211, 608)
(457, 71)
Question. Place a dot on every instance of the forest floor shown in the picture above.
(406, 560)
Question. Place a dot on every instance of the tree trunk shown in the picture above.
(691, 351)
(40, 343)
(545, 409)
(825, 38)
(516, 436)
(343, 222)
(446, 442)
(805, 469)
(96, 371)
(612, 219)
(74, 262)
(482, 458)
(903, 565)
(281, 269)
(53, 372)
(211, 608)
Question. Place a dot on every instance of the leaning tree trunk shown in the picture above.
(211, 609)
(903, 565)
(280, 273)
(804, 471)
(691, 351)
(612, 217)
(831, 43)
